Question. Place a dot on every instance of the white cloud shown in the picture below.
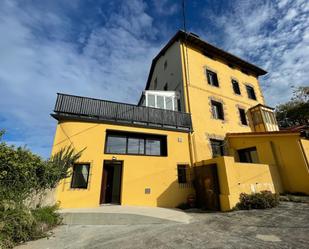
(166, 7)
(112, 62)
(273, 35)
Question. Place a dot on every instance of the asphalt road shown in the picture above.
(286, 226)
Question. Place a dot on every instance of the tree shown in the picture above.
(296, 111)
(23, 173)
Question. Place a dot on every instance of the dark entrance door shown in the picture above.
(207, 187)
(111, 182)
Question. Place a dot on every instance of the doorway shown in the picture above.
(207, 187)
(111, 182)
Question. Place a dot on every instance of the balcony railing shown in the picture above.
(103, 110)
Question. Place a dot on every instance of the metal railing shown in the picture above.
(84, 107)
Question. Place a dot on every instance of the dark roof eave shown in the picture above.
(272, 108)
(225, 55)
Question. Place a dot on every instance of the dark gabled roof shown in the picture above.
(195, 41)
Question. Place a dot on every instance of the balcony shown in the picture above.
(96, 110)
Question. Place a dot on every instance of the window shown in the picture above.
(151, 100)
(243, 117)
(160, 102)
(269, 117)
(165, 65)
(217, 110)
(165, 88)
(248, 155)
(136, 146)
(128, 143)
(251, 93)
(153, 147)
(182, 173)
(169, 103)
(256, 117)
(116, 144)
(212, 78)
(80, 176)
(217, 147)
(236, 87)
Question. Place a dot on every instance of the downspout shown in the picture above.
(186, 74)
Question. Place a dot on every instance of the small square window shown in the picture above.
(243, 118)
(217, 110)
(236, 87)
(248, 155)
(212, 78)
(182, 173)
(80, 176)
(251, 93)
(217, 147)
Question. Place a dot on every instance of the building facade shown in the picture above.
(201, 128)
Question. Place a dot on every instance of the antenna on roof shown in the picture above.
(184, 16)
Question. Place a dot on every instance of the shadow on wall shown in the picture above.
(175, 194)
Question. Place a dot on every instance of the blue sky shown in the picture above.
(104, 49)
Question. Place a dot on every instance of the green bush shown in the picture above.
(47, 215)
(262, 200)
(22, 176)
(19, 224)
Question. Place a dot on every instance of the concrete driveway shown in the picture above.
(284, 227)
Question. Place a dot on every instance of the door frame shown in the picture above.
(102, 193)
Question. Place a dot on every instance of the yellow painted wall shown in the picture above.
(282, 150)
(139, 172)
(198, 99)
(236, 178)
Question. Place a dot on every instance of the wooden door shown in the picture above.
(207, 187)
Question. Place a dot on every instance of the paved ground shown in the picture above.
(284, 227)
(123, 215)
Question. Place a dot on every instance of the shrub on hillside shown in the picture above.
(262, 200)
(19, 224)
(22, 175)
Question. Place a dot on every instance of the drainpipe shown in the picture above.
(186, 74)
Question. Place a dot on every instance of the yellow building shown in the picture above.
(200, 128)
